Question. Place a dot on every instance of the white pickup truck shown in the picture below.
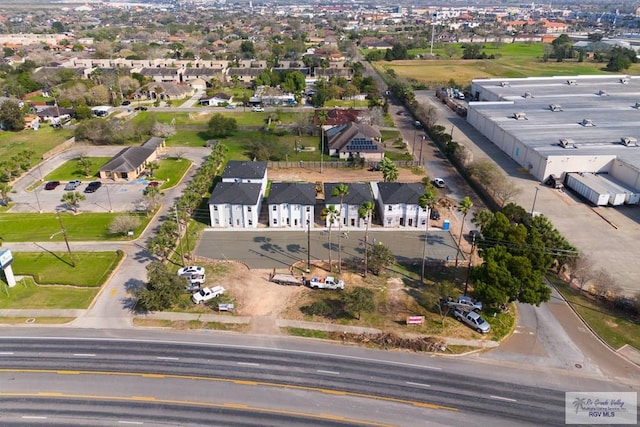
(328, 282)
(205, 294)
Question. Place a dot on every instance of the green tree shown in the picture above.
(389, 170)
(427, 202)
(163, 288)
(472, 51)
(5, 189)
(358, 300)
(330, 214)
(221, 126)
(562, 47)
(152, 167)
(85, 163)
(365, 212)
(72, 200)
(464, 207)
(341, 190)
(380, 257)
(11, 116)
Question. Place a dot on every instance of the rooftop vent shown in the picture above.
(572, 82)
(520, 115)
(527, 95)
(505, 84)
(587, 122)
(629, 141)
(555, 107)
(567, 143)
(624, 81)
(602, 93)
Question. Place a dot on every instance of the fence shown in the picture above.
(336, 165)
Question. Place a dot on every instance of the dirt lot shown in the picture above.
(338, 175)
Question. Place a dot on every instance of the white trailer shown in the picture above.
(589, 190)
(616, 195)
(631, 196)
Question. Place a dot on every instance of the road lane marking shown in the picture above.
(6, 353)
(228, 405)
(230, 380)
(84, 354)
(32, 417)
(328, 372)
(503, 398)
(167, 358)
(418, 384)
(248, 364)
(130, 422)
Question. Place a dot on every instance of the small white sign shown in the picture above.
(5, 258)
(601, 408)
(415, 320)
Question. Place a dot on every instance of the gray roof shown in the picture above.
(358, 193)
(245, 170)
(300, 193)
(392, 193)
(164, 71)
(614, 114)
(153, 142)
(128, 159)
(235, 193)
(354, 137)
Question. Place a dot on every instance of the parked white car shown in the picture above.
(192, 270)
(257, 109)
(205, 294)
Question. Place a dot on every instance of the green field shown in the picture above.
(40, 227)
(91, 268)
(71, 170)
(27, 295)
(171, 171)
(39, 141)
(512, 61)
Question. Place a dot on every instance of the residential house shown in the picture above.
(398, 204)
(31, 121)
(242, 172)
(291, 204)
(235, 204)
(216, 100)
(354, 140)
(358, 194)
(129, 163)
(162, 75)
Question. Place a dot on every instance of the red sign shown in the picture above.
(415, 320)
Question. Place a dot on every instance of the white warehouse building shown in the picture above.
(556, 125)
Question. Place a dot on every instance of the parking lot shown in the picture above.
(111, 196)
(268, 248)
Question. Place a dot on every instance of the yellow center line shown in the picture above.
(240, 382)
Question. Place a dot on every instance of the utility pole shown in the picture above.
(186, 234)
(421, 144)
(66, 241)
(180, 236)
(413, 150)
(473, 249)
(533, 207)
(308, 244)
(433, 30)
(109, 198)
(37, 200)
(424, 247)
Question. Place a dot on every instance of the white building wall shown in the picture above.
(234, 216)
(403, 215)
(625, 173)
(290, 215)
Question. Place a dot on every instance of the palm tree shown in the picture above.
(152, 167)
(365, 211)
(427, 201)
(330, 214)
(389, 170)
(464, 207)
(340, 191)
(5, 189)
(85, 163)
(323, 118)
(72, 200)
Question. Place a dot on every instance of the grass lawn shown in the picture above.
(26, 294)
(171, 171)
(71, 170)
(609, 324)
(36, 227)
(189, 138)
(345, 103)
(390, 135)
(40, 141)
(91, 270)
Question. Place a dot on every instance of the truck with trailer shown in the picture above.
(286, 279)
(587, 189)
(328, 282)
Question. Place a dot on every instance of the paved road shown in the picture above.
(237, 371)
(269, 248)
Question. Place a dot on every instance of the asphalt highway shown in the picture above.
(294, 382)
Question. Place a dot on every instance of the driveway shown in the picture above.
(268, 248)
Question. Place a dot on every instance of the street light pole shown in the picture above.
(421, 144)
(37, 200)
(180, 236)
(109, 198)
(308, 244)
(424, 247)
(533, 207)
